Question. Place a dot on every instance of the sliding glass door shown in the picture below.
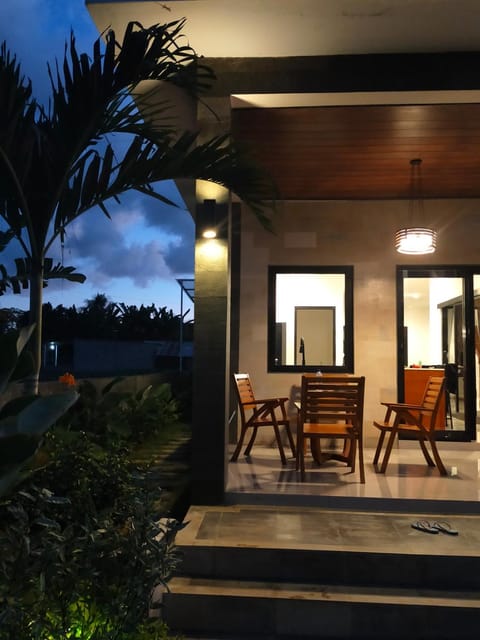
(439, 334)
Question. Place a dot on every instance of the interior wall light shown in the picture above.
(416, 240)
(210, 229)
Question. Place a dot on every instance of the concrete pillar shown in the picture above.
(211, 362)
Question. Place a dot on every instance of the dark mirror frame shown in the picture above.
(348, 365)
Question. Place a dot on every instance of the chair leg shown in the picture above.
(279, 443)
(302, 466)
(388, 450)
(379, 447)
(426, 455)
(290, 438)
(316, 449)
(347, 450)
(353, 455)
(239, 446)
(299, 445)
(438, 460)
(251, 441)
(361, 462)
(300, 457)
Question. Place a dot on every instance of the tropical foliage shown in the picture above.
(56, 163)
(85, 539)
(100, 318)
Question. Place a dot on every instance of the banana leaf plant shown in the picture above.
(59, 162)
(24, 419)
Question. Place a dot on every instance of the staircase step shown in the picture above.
(332, 567)
(200, 607)
(323, 592)
(292, 573)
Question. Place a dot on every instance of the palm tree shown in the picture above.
(58, 162)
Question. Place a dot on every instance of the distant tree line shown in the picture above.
(102, 319)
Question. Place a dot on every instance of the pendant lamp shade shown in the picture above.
(416, 240)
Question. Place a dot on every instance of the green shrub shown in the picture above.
(82, 545)
(92, 579)
(122, 416)
(149, 411)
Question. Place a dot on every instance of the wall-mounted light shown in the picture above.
(209, 222)
(415, 240)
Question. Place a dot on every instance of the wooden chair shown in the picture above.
(416, 421)
(332, 407)
(270, 412)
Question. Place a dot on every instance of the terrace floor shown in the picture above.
(408, 484)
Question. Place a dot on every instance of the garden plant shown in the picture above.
(83, 544)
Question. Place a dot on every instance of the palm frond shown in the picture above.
(5, 237)
(20, 281)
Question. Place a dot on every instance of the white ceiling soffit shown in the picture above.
(279, 100)
(271, 28)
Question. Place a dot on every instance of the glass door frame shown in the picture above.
(466, 272)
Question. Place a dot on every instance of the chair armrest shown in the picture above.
(398, 406)
(270, 400)
(254, 403)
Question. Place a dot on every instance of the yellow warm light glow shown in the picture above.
(209, 234)
(212, 252)
(211, 191)
(416, 241)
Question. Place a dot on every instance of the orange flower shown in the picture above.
(67, 379)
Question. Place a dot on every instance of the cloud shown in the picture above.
(127, 247)
(142, 263)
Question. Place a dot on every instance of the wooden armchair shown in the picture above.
(416, 421)
(270, 412)
(331, 407)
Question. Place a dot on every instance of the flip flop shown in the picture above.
(445, 527)
(424, 525)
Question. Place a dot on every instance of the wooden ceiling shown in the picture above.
(364, 152)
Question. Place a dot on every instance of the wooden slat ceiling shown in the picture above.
(364, 152)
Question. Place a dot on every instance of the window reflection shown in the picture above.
(310, 318)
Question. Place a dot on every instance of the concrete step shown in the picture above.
(245, 608)
(358, 568)
(292, 573)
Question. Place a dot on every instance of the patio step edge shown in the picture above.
(325, 592)
(269, 610)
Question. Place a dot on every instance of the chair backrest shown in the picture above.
(245, 395)
(331, 398)
(432, 396)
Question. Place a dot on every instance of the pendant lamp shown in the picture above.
(416, 240)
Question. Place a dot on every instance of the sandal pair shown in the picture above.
(436, 527)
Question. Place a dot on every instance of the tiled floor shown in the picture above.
(408, 483)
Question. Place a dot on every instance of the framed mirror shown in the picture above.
(310, 319)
